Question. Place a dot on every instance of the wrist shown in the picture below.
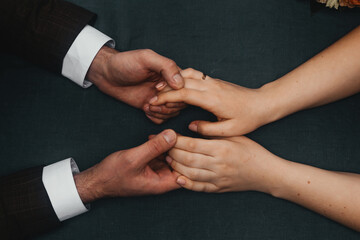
(98, 70)
(272, 175)
(273, 108)
(87, 185)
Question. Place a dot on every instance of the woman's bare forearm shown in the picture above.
(335, 195)
(331, 75)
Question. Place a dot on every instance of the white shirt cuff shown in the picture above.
(60, 186)
(81, 54)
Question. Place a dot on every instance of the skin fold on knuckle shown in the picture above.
(191, 144)
(188, 160)
(193, 174)
(170, 64)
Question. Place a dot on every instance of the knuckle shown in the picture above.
(188, 161)
(191, 145)
(169, 111)
(146, 53)
(190, 184)
(183, 93)
(193, 174)
(203, 188)
(171, 63)
(191, 70)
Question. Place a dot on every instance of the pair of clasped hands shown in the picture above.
(224, 160)
(169, 161)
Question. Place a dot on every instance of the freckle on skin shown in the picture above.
(308, 182)
(298, 194)
(330, 205)
(344, 207)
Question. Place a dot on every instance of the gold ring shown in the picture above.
(203, 76)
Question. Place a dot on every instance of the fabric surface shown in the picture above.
(45, 117)
(25, 209)
(41, 31)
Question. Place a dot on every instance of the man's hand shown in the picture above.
(137, 171)
(134, 77)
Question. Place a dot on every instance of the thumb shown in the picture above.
(156, 146)
(166, 67)
(206, 128)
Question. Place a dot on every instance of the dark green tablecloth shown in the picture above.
(45, 117)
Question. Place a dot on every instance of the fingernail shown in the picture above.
(155, 109)
(154, 99)
(193, 127)
(160, 85)
(147, 108)
(169, 136)
(178, 80)
(181, 181)
(168, 159)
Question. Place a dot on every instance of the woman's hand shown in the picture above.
(240, 164)
(239, 110)
(223, 165)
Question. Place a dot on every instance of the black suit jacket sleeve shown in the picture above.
(25, 208)
(41, 31)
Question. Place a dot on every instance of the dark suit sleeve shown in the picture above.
(25, 208)
(41, 31)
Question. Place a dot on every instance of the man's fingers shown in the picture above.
(190, 96)
(162, 116)
(156, 146)
(163, 109)
(221, 128)
(196, 186)
(164, 181)
(167, 181)
(155, 120)
(179, 105)
(164, 66)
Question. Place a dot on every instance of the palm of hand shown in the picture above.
(125, 177)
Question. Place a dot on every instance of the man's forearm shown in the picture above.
(86, 185)
(331, 75)
(335, 195)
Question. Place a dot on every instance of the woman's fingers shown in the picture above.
(197, 145)
(221, 128)
(191, 73)
(195, 174)
(190, 96)
(190, 159)
(195, 185)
